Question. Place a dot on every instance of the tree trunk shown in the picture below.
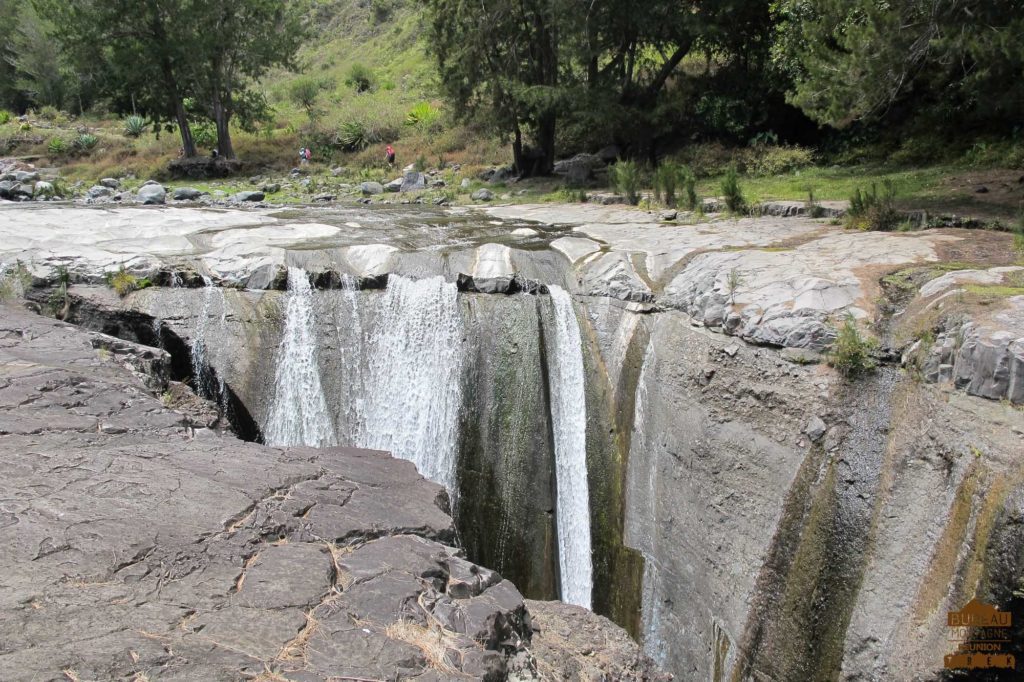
(187, 143)
(546, 139)
(517, 150)
(222, 118)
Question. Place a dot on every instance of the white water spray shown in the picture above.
(200, 362)
(414, 388)
(569, 421)
(299, 415)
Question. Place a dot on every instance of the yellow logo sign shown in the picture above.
(979, 635)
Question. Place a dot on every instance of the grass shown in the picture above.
(124, 282)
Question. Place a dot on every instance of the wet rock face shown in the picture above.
(137, 543)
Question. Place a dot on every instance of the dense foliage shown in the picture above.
(548, 75)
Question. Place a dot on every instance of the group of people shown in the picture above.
(305, 154)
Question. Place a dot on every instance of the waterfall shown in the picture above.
(299, 415)
(413, 383)
(569, 422)
(200, 361)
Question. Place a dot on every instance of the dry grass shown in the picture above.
(434, 641)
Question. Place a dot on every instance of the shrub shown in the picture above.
(851, 353)
(353, 136)
(776, 160)
(874, 210)
(360, 77)
(666, 182)
(84, 143)
(134, 126)
(381, 10)
(423, 115)
(124, 282)
(25, 127)
(57, 146)
(689, 180)
(5, 116)
(49, 113)
(732, 192)
(304, 92)
(626, 177)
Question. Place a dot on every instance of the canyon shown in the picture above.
(629, 415)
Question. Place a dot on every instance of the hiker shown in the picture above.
(309, 154)
(302, 156)
(389, 154)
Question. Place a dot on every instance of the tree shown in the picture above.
(143, 52)
(304, 91)
(41, 72)
(239, 41)
(865, 60)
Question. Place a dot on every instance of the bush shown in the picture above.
(304, 91)
(732, 192)
(689, 180)
(84, 143)
(5, 116)
(626, 178)
(49, 113)
(124, 282)
(872, 210)
(134, 126)
(811, 206)
(423, 115)
(57, 146)
(764, 160)
(851, 354)
(360, 77)
(666, 182)
(353, 136)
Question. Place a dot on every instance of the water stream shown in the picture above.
(299, 414)
(569, 424)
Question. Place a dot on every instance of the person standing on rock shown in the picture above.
(389, 155)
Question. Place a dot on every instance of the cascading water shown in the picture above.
(569, 422)
(413, 384)
(299, 414)
(200, 361)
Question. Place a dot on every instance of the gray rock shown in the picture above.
(248, 196)
(272, 188)
(815, 428)
(413, 182)
(801, 356)
(186, 194)
(371, 188)
(152, 193)
(112, 183)
(669, 215)
(150, 182)
(465, 184)
(482, 195)
(26, 176)
(394, 186)
(324, 198)
(6, 186)
(98, 192)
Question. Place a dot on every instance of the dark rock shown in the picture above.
(482, 195)
(186, 194)
(272, 188)
(248, 196)
(981, 189)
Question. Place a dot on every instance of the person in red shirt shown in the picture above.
(389, 154)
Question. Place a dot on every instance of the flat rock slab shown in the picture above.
(158, 550)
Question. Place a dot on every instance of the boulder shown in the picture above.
(394, 186)
(26, 176)
(150, 182)
(413, 182)
(112, 183)
(371, 188)
(98, 192)
(5, 188)
(482, 195)
(248, 196)
(465, 184)
(186, 194)
(272, 188)
(152, 193)
(609, 154)
(815, 429)
(324, 198)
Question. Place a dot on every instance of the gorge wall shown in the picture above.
(753, 515)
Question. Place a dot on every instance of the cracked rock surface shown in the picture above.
(136, 546)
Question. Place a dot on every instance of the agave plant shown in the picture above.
(423, 114)
(353, 136)
(85, 143)
(57, 146)
(134, 126)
